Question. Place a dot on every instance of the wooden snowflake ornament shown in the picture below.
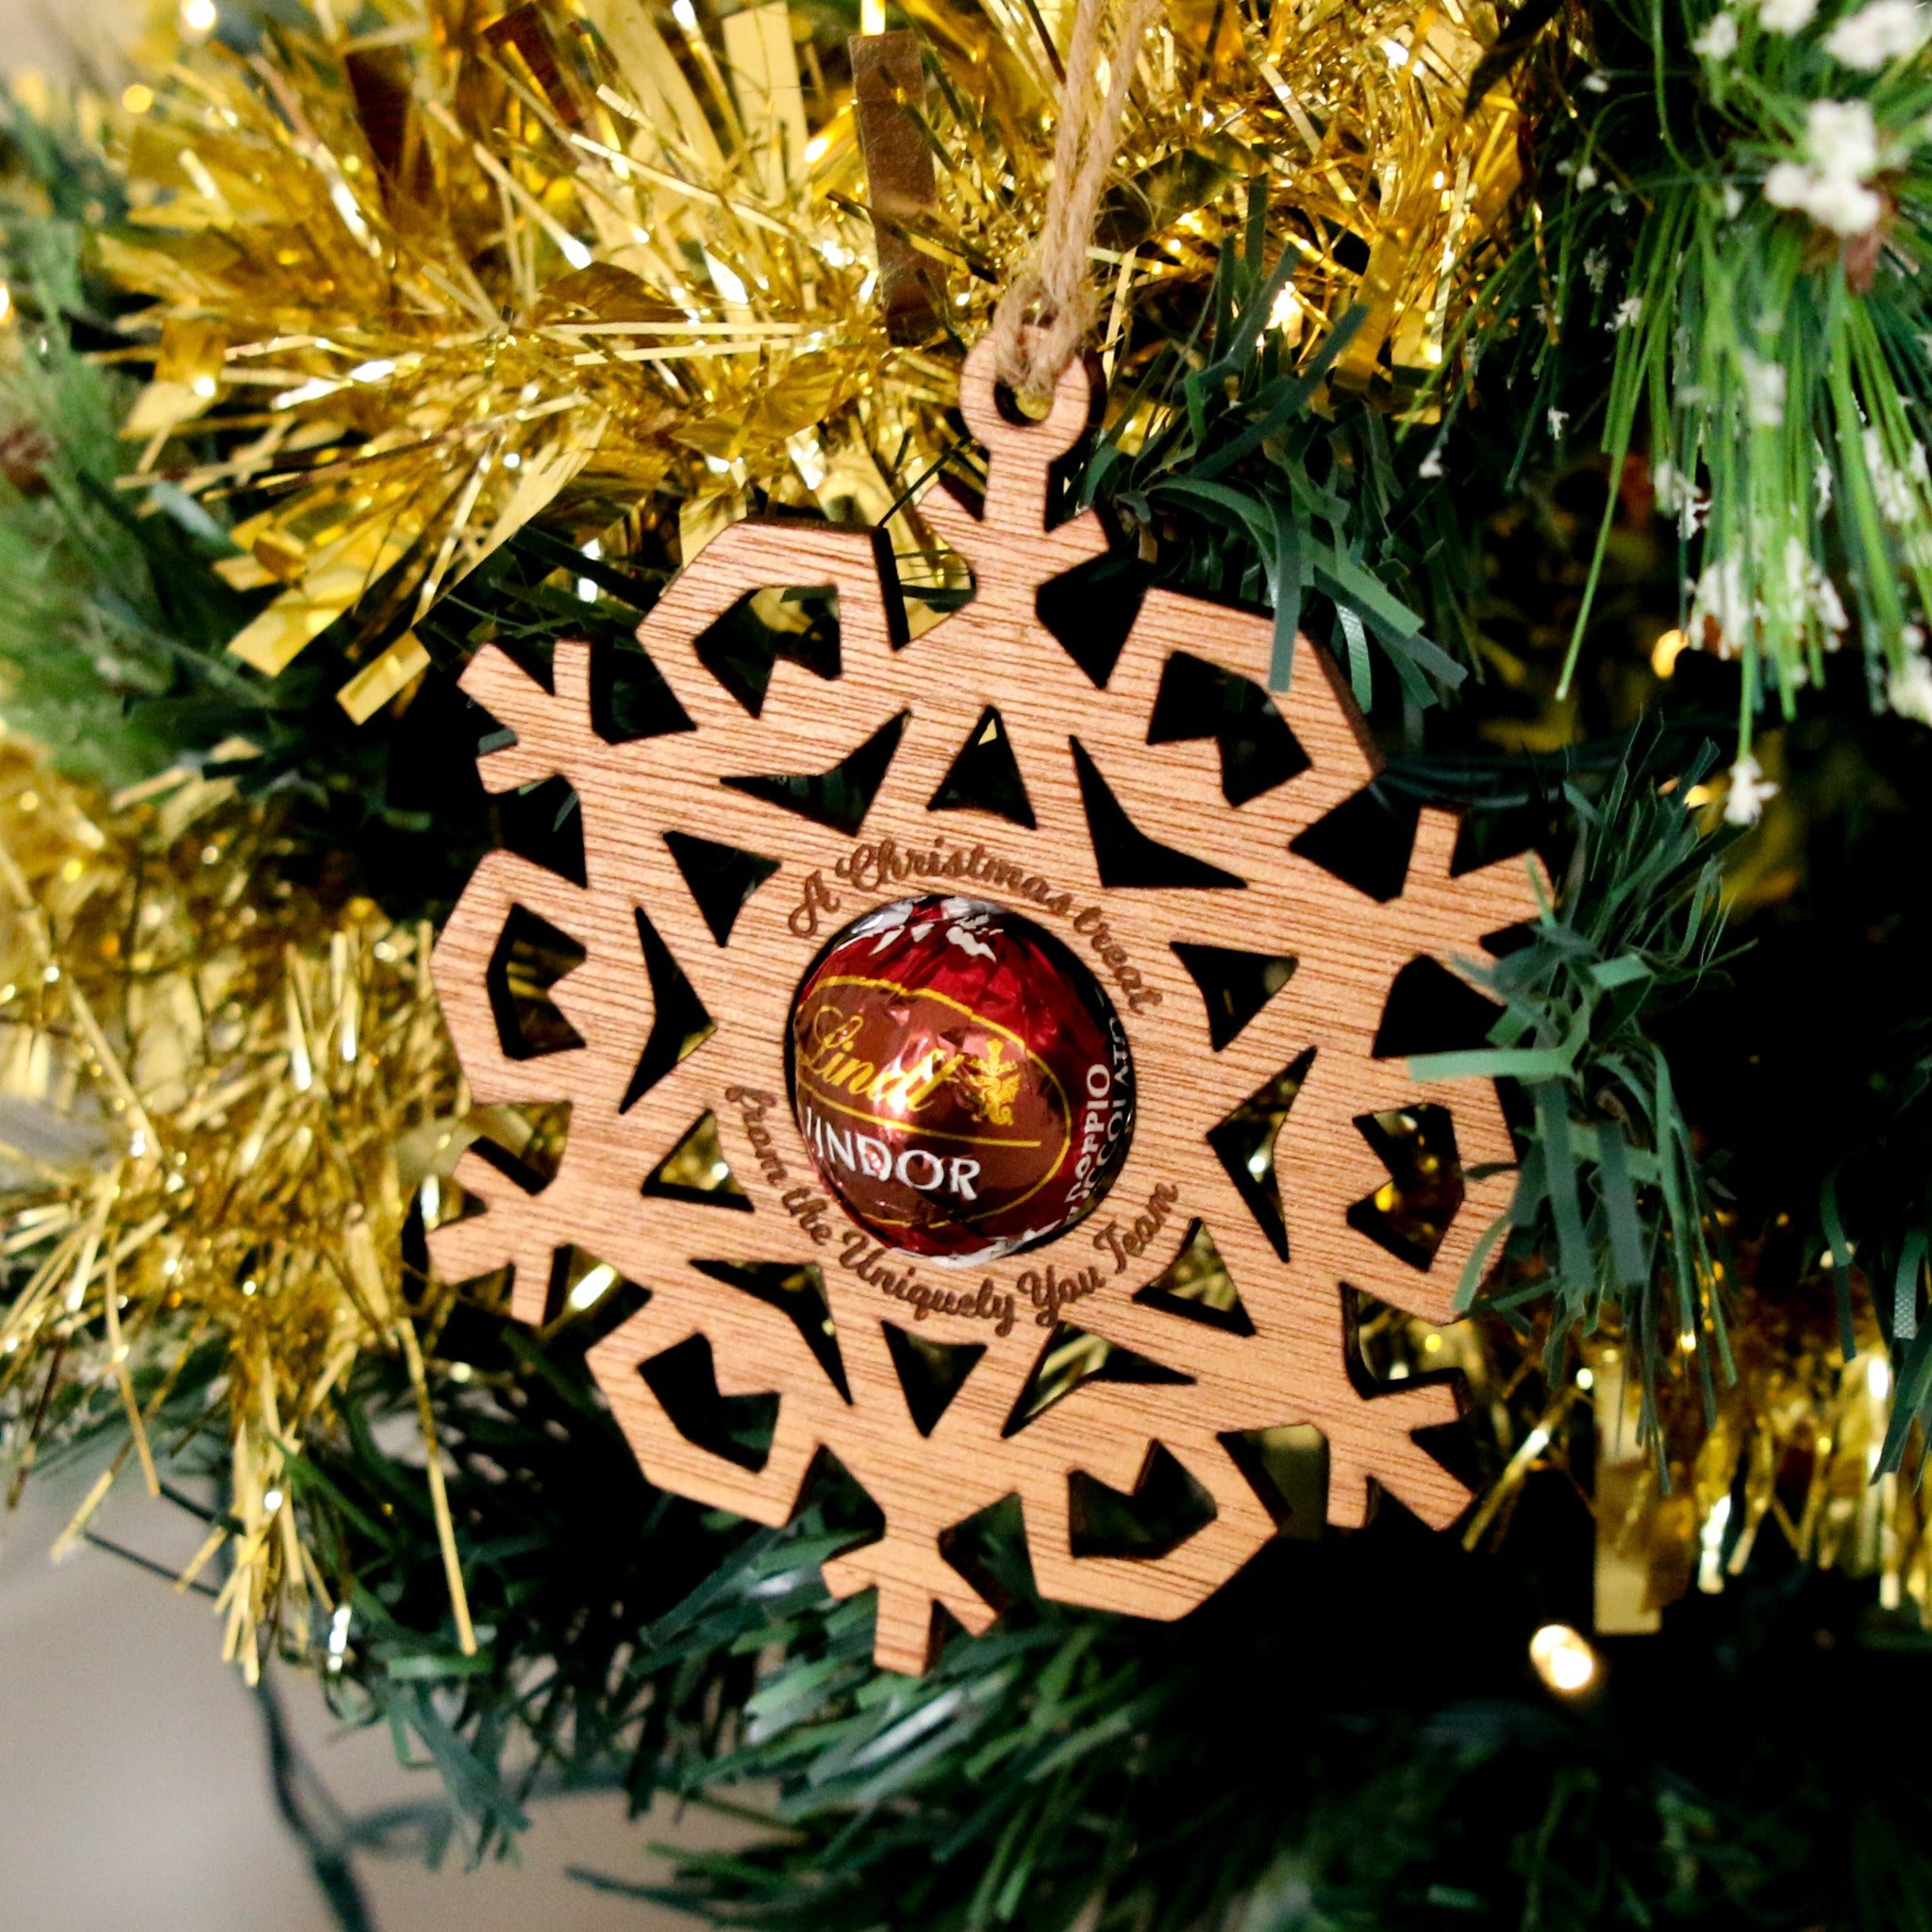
(721, 860)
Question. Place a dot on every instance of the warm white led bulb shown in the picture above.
(1563, 1658)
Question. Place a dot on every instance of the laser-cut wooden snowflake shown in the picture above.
(660, 966)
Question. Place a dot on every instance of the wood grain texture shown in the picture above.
(1292, 1370)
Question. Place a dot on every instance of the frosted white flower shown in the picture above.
(1786, 16)
(1630, 312)
(1431, 465)
(1557, 419)
(1876, 34)
(1909, 689)
(1898, 503)
(1596, 267)
(1678, 496)
(1829, 608)
(1916, 466)
(1797, 574)
(1845, 207)
(1734, 201)
(1749, 794)
(1842, 138)
(1764, 391)
(1586, 176)
(1841, 150)
(1595, 82)
(1721, 598)
(1820, 484)
(1808, 592)
(1718, 40)
(1840, 202)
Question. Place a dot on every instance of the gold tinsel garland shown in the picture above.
(219, 1100)
(614, 267)
(1792, 1450)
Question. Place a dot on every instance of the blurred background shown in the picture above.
(135, 1776)
(135, 1782)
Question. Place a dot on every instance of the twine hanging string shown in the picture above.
(1044, 317)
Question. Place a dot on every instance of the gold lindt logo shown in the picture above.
(829, 1064)
(986, 1084)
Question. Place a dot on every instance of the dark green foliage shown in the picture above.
(1254, 495)
(1348, 1737)
(568, 1554)
(1810, 1073)
(1610, 1207)
(112, 625)
(1286, 1759)
(1660, 290)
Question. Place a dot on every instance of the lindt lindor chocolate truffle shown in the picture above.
(963, 1082)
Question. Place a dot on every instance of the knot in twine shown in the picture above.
(1043, 320)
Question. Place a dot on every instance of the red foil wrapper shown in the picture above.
(961, 1079)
